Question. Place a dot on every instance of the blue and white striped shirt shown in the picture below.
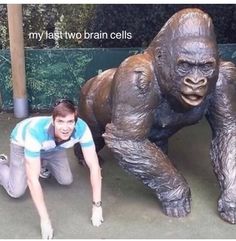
(36, 134)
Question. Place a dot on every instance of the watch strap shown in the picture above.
(97, 204)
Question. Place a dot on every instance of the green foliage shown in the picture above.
(4, 36)
(38, 18)
(73, 19)
(54, 74)
(5, 80)
(53, 18)
(143, 20)
(50, 74)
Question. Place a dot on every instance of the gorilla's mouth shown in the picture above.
(192, 99)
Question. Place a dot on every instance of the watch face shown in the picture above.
(97, 204)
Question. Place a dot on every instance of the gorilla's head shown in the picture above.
(186, 58)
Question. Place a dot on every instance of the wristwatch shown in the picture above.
(97, 204)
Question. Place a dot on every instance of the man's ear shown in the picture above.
(76, 113)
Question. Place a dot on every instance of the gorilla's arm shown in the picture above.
(222, 118)
(135, 96)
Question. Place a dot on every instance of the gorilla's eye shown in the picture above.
(183, 66)
(206, 68)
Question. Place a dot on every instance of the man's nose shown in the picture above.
(65, 126)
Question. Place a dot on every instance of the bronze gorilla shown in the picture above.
(176, 81)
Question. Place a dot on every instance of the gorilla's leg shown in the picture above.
(225, 171)
(162, 144)
(222, 118)
(147, 162)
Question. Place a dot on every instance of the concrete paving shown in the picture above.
(130, 209)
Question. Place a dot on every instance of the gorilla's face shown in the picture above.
(196, 70)
(193, 70)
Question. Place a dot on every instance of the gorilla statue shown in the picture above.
(177, 80)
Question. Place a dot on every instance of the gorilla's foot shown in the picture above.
(227, 210)
(177, 208)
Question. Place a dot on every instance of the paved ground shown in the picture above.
(130, 209)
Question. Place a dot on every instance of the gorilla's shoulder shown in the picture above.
(227, 73)
(137, 61)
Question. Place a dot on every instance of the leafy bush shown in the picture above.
(53, 74)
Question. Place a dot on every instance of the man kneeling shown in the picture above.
(38, 144)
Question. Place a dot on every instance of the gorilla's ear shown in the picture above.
(163, 63)
(158, 52)
(160, 55)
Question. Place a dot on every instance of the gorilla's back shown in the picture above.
(95, 99)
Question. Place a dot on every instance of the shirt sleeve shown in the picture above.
(83, 134)
(86, 139)
(32, 143)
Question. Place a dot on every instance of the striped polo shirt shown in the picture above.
(36, 134)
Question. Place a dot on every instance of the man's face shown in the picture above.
(64, 127)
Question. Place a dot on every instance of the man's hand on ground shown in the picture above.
(97, 218)
(46, 229)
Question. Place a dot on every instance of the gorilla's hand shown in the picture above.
(177, 208)
(227, 210)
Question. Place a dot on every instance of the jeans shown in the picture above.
(13, 175)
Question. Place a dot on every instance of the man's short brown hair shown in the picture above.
(63, 107)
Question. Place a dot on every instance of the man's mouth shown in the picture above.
(65, 133)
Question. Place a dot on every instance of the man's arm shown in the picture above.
(32, 171)
(91, 159)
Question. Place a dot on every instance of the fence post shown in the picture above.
(15, 24)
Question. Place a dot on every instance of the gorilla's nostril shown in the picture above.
(188, 81)
(195, 82)
(202, 82)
